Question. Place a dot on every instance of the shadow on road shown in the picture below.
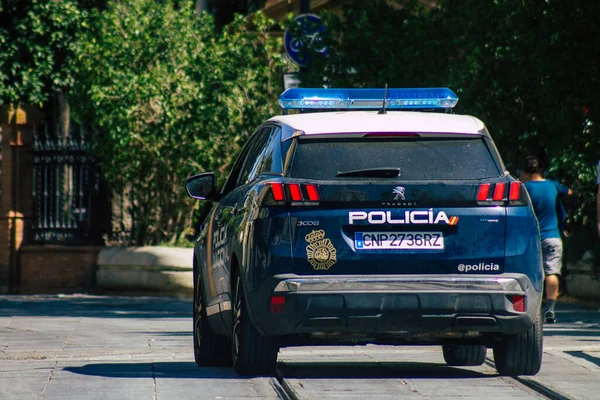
(300, 370)
(353, 370)
(95, 306)
(171, 369)
(585, 356)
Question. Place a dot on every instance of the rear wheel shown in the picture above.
(461, 355)
(253, 354)
(521, 354)
(210, 349)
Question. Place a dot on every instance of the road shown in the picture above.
(116, 347)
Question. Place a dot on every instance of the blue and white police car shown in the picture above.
(374, 216)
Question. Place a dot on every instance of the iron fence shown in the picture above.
(67, 203)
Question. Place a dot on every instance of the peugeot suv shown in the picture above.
(372, 218)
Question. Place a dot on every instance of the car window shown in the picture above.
(256, 148)
(269, 159)
(234, 175)
(418, 159)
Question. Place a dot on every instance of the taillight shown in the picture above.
(483, 192)
(495, 193)
(391, 134)
(295, 191)
(278, 194)
(277, 304)
(514, 193)
(307, 194)
(498, 192)
(518, 303)
(313, 193)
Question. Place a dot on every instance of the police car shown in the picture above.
(371, 216)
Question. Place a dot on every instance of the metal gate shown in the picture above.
(66, 189)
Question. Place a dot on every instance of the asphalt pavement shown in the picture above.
(123, 347)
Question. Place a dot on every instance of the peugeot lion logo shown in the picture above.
(399, 192)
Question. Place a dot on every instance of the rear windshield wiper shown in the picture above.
(371, 173)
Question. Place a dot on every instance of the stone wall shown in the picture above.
(145, 269)
(58, 269)
(583, 279)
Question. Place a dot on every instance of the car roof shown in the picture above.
(392, 121)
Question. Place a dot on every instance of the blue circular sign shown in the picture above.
(311, 30)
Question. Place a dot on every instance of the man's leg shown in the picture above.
(552, 254)
(551, 282)
(551, 287)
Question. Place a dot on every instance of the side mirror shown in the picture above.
(202, 186)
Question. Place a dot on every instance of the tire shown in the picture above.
(252, 353)
(521, 354)
(462, 355)
(210, 349)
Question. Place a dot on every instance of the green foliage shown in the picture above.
(526, 68)
(169, 98)
(36, 48)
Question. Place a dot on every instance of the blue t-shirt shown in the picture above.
(544, 196)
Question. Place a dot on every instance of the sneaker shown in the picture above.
(550, 317)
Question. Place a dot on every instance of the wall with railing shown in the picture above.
(52, 219)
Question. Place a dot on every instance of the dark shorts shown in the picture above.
(552, 250)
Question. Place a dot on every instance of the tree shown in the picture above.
(169, 98)
(523, 67)
(37, 46)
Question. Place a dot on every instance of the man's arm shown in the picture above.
(562, 189)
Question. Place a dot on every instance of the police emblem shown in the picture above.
(320, 251)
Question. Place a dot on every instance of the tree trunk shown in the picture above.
(63, 122)
(63, 115)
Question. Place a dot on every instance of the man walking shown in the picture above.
(544, 198)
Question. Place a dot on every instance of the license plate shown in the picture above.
(399, 240)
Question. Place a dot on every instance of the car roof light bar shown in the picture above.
(368, 99)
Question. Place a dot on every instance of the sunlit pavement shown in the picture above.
(98, 347)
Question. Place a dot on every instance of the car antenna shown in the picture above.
(382, 111)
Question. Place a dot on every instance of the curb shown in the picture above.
(145, 269)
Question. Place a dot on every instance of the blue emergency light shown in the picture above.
(368, 99)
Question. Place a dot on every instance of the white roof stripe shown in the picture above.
(370, 121)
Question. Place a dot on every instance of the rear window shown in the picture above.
(416, 159)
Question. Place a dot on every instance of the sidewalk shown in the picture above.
(571, 363)
(81, 346)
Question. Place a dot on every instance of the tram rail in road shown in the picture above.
(282, 387)
(520, 387)
(91, 347)
(285, 391)
(532, 384)
(570, 367)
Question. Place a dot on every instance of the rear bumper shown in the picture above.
(402, 307)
